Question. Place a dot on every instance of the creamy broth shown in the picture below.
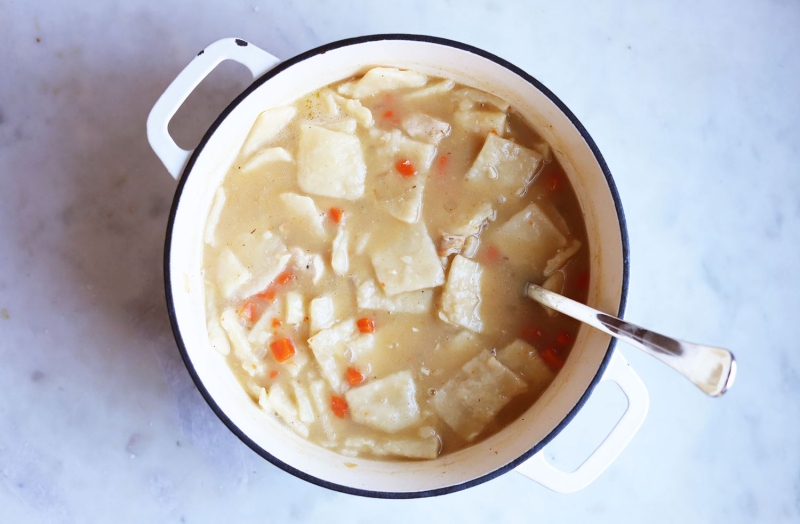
(365, 258)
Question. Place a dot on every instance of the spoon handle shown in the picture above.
(709, 368)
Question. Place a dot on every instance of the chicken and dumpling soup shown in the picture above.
(365, 258)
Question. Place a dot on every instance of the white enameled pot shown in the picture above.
(201, 171)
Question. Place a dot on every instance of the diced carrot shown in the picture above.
(563, 338)
(249, 311)
(272, 290)
(354, 376)
(492, 254)
(365, 325)
(582, 282)
(273, 373)
(335, 214)
(553, 182)
(406, 168)
(284, 277)
(530, 334)
(552, 359)
(441, 167)
(276, 322)
(338, 406)
(268, 294)
(388, 114)
(282, 349)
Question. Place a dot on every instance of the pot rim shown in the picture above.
(168, 283)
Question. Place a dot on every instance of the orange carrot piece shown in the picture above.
(553, 182)
(338, 406)
(276, 322)
(530, 334)
(268, 294)
(284, 277)
(365, 325)
(582, 282)
(388, 114)
(273, 373)
(563, 338)
(406, 168)
(249, 311)
(335, 214)
(492, 254)
(272, 290)
(552, 359)
(441, 167)
(282, 349)
(354, 376)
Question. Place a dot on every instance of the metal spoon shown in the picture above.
(711, 369)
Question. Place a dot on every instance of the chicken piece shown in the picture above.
(450, 245)
(425, 128)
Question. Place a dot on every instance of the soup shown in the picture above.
(365, 259)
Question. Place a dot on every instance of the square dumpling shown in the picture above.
(506, 164)
(530, 238)
(388, 404)
(231, 273)
(400, 196)
(523, 359)
(303, 214)
(330, 163)
(461, 299)
(406, 260)
(386, 148)
(481, 122)
(370, 296)
(333, 346)
(380, 79)
(470, 400)
(267, 126)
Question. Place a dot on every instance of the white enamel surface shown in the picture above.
(557, 401)
(255, 60)
(695, 108)
(619, 372)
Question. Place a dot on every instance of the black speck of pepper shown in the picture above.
(240, 42)
(38, 40)
(201, 52)
(253, 231)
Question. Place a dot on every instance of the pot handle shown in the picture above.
(538, 469)
(256, 60)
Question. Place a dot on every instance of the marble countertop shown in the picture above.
(695, 106)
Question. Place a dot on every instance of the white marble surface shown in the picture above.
(695, 106)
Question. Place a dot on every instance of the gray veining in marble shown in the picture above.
(695, 106)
